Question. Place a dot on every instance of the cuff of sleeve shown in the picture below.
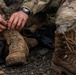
(29, 5)
(27, 8)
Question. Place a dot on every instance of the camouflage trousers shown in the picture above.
(66, 16)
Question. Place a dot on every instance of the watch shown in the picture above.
(26, 10)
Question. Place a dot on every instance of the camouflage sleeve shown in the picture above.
(35, 5)
(2, 6)
(66, 15)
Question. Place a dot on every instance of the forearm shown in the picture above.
(35, 6)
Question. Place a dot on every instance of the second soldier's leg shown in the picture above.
(64, 57)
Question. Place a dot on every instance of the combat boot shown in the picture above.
(64, 57)
(31, 42)
(18, 49)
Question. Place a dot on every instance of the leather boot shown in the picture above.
(31, 42)
(64, 57)
(18, 49)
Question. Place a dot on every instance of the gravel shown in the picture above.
(35, 65)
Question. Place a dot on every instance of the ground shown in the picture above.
(36, 65)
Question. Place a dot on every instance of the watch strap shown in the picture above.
(26, 10)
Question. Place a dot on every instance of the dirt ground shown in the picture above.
(36, 65)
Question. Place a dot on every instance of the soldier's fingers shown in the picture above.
(23, 23)
(15, 22)
(2, 27)
(3, 22)
(19, 23)
(11, 21)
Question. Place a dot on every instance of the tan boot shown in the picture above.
(64, 57)
(31, 42)
(18, 49)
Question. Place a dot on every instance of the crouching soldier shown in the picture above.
(13, 16)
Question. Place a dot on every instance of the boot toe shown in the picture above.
(15, 59)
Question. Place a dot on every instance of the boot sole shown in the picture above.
(59, 69)
(15, 61)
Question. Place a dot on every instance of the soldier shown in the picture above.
(13, 20)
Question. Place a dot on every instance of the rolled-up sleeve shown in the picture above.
(35, 5)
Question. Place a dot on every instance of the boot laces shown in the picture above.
(71, 44)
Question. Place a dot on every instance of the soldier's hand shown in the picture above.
(17, 20)
(3, 24)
